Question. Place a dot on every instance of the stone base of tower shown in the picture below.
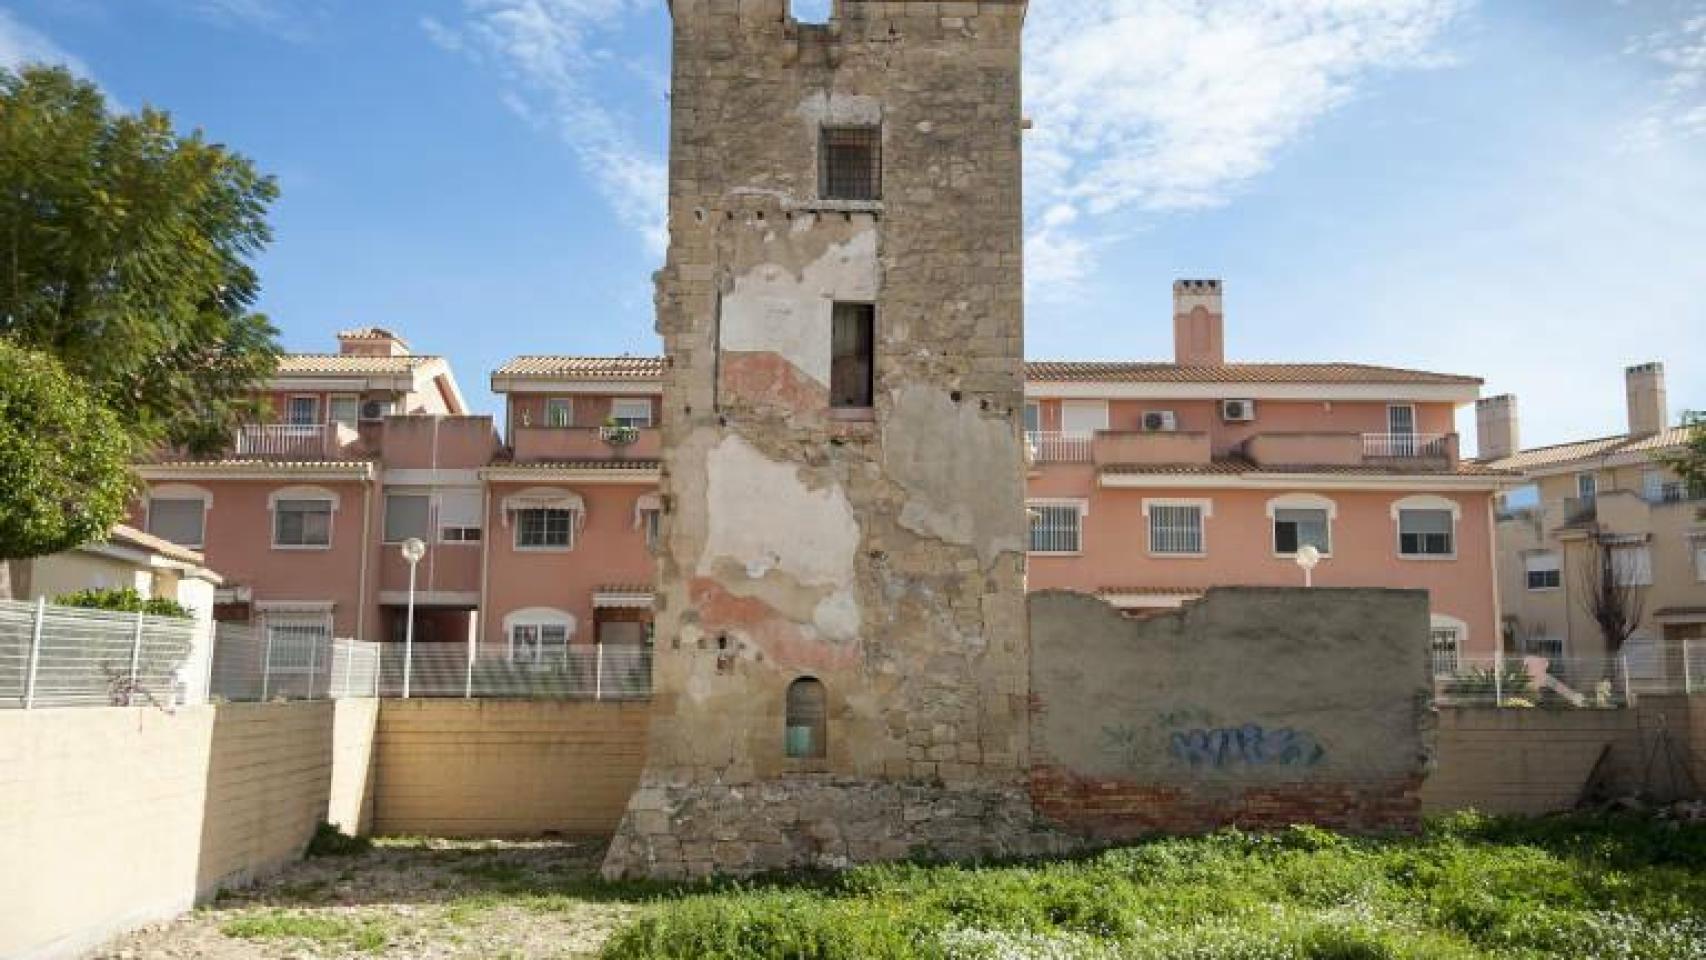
(683, 831)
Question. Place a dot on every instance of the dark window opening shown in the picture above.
(805, 735)
(852, 366)
(852, 164)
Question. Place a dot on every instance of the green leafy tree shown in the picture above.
(124, 600)
(64, 461)
(1690, 463)
(124, 252)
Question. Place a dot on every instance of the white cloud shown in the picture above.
(555, 51)
(1679, 107)
(21, 44)
(1159, 106)
(287, 19)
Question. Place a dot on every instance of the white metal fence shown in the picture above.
(602, 671)
(1050, 446)
(1406, 445)
(293, 662)
(1566, 682)
(53, 656)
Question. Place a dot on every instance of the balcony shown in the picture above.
(291, 441)
(557, 444)
(1311, 449)
(1151, 447)
(1410, 446)
(1581, 511)
(1054, 446)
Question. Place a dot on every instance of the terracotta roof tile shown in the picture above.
(334, 364)
(1234, 466)
(1098, 371)
(584, 368)
(546, 465)
(1564, 453)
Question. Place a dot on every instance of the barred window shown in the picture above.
(1444, 648)
(1055, 528)
(538, 643)
(852, 163)
(544, 529)
(1175, 529)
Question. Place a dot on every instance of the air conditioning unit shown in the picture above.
(1160, 421)
(1238, 411)
(375, 409)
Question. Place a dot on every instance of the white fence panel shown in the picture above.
(53, 656)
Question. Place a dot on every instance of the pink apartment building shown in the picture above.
(1148, 483)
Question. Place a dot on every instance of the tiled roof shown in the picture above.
(334, 364)
(282, 466)
(584, 368)
(369, 333)
(1151, 591)
(546, 465)
(1237, 466)
(625, 588)
(1098, 371)
(121, 533)
(1565, 453)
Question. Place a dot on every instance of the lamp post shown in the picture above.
(413, 550)
(1307, 558)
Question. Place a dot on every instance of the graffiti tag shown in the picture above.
(1251, 744)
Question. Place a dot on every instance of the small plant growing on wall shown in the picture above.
(618, 434)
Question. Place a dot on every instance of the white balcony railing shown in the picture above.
(1059, 446)
(309, 440)
(1399, 446)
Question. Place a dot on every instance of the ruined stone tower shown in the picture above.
(841, 669)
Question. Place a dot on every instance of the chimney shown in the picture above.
(1199, 324)
(1498, 431)
(1646, 393)
(371, 342)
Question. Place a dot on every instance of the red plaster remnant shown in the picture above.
(768, 380)
(780, 639)
(1113, 809)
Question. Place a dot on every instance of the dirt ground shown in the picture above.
(421, 899)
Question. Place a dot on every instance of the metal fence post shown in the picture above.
(1498, 678)
(135, 662)
(349, 670)
(598, 673)
(266, 666)
(1688, 665)
(313, 664)
(1628, 691)
(35, 654)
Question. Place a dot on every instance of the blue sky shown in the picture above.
(1512, 189)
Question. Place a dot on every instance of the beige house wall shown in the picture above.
(506, 767)
(110, 818)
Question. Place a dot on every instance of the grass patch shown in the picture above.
(329, 841)
(1469, 888)
(362, 934)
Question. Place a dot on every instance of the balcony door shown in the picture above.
(1401, 429)
(303, 411)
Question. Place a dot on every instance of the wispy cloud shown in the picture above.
(1679, 107)
(21, 44)
(1159, 106)
(555, 52)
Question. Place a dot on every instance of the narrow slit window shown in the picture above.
(805, 734)
(852, 364)
(852, 164)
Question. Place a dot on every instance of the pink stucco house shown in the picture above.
(1148, 483)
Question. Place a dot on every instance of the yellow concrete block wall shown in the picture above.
(1524, 761)
(114, 817)
(506, 768)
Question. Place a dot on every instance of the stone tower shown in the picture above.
(841, 670)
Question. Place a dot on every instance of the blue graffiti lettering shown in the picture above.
(1250, 744)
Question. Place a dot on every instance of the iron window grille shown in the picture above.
(852, 164)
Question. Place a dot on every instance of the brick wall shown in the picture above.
(114, 817)
(504, 767)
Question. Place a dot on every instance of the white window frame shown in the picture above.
(566, 405)
(332, 405)
(1206, 507)
(651, 521)
(1033, 412)
(1529, 569)
(1635, 572)
(574, 530)
(537, 619)
(313, 398)
(1439, 623)
(443, 519)
(1095, 410)
(1301, 501)
(297, 494)
(1080, 507)
(178, 491)
(628, 419)
(1587, 485)
(385, 517)
(1426, 502)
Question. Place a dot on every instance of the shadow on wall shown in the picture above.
(1253, 706)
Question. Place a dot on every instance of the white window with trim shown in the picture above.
(1699, 545)
(302, 518)
(1057, 526)
(408, 516)
(1446, 639)
(1427, 527)
(1587, 485)
(544, 518)
(298, 639)
(1302, 520)
(344, 409)
(1177, 527)
(631, 412)
(648, 517)
(1543, 570)
(178, 513)
(1081, 418)
(1632, 564)
(461, 516)
(539, 636)
(302, 410)
(559, 412)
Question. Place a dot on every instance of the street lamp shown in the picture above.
(1307, 558)
(413, 550)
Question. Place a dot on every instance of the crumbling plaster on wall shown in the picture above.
(782, 305)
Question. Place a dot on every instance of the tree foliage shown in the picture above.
(124, 252)
(1690, 463)
(1608, 595)
(124, 600)
(64, 458)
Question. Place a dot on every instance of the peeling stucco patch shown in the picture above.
(783, 306)
(761, 513)
(940, 452)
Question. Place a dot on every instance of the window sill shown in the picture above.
(1179, 556)
(853, 414)
(1434, 557)
(1054, 553)
(301, 547)
(1293, 556)
(872, 207)
(521, 549)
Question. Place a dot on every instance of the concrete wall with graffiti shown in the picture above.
(1253, 706)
